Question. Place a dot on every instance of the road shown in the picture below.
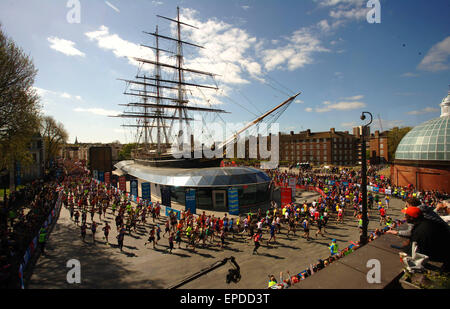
(103, 266)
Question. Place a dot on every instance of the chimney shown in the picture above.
(377, 133)
(308, 133)
(333, 131)
(292, 132)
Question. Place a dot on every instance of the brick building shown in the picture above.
(319, 148)
(377, 145)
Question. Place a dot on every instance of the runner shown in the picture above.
(382, 216)
(93, 229)
(171, 237)
(106, 229)
(319, 227)
(256, 239)
(83, 231)
(158, 233)
(77, 216)
(340, 216)
(272, 229)
(151, 237)
(305, 224)
(291, 226)
(178, 238)
(222, 238)
(120, 237)
(167, 227)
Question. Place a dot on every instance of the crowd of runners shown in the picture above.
(92, 204)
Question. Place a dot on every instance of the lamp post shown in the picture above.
(365, 219)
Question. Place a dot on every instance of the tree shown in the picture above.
(125, 153)
(54, 135)
(395, 135)
(19, 103)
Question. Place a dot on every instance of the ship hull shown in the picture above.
(180, 163)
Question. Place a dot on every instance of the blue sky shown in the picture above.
(263, 50)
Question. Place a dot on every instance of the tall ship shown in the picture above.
(163, 112)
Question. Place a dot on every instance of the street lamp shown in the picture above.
(365, 219)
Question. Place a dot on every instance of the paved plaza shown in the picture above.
(103, 266)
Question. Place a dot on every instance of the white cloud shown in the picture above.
(298, 101)
(65, 95)
(97, 111)
(308, 109)
(112, 6)
(228, 49)
(245, 7)
(157, 2)
(50, 94)
(64, 46)
(342, 11)
(354, 98)
(340, 106)
(424, 111)
(339, 75)
(325, 3)
(409, 74)
(437, 57)
(120, 47)
(349, 14)
(296, 53)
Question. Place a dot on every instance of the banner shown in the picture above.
(332, 182)
(233, 201)
(191, 202)
(292, 184)
(286, 196)
(165, 196)
(101, 176)
(107, 178)
(176, 212)
(388, 191)
(122, 183)
(146, 193)
(345, 183)
(134, 188)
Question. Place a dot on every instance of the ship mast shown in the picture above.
(155, 105)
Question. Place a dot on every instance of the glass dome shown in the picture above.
(427, 141)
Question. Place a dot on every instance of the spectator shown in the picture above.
(432, 238)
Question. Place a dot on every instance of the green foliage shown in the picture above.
(125, 153)
(19, 104)
(54, 135)
(395, 135)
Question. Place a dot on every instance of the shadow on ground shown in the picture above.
(51, 270)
